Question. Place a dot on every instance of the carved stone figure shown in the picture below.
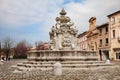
(63, 34)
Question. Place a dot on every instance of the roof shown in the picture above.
(82, 34)
(113, 13)
(102, 25)
(91, 34)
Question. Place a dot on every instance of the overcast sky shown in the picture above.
(31, 20)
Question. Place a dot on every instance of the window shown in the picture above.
(107, 41)
(113, 20)
(92, 49)
(100, 31)
(96, 45)
(117, 55)
(100, 42)
(106, 29)
(113, 33)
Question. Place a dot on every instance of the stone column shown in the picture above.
(57, 69)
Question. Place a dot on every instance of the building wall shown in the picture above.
(92, 43)
(114, 24)
(82, 41)
(92, 35)
(103, 49)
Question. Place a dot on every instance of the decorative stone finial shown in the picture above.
(63, 18)
(63, 12)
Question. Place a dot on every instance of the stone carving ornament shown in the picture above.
(63, 27)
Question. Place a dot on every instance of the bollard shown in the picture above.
(57, 69)
(107, 61)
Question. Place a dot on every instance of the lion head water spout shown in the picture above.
(63, 34)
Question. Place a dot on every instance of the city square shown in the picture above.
(37, 47)
(110, 73)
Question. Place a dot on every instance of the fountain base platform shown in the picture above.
(45, 60)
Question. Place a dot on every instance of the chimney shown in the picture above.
(92, 23)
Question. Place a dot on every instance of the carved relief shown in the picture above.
(62, 34)
(66, 42)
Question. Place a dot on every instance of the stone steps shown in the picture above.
(92, 58)
(65, 65)
(64, 62)
(33, 65)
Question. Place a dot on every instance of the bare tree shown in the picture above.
(7, 45)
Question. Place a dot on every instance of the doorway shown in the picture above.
(106, 55)
(100, 53)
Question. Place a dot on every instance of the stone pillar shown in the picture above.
(57, 69)
(107, 61)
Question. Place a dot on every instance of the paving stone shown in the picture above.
(110, 73)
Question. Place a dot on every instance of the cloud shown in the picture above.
(81, 12)
(24, 13)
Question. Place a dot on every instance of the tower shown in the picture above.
(92, 23)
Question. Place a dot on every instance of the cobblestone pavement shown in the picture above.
(110, 73)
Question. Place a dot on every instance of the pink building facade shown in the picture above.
(82, 40)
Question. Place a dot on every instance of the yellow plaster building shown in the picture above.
(114, 26)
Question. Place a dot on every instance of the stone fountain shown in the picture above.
(63, 48)
(63, 34)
